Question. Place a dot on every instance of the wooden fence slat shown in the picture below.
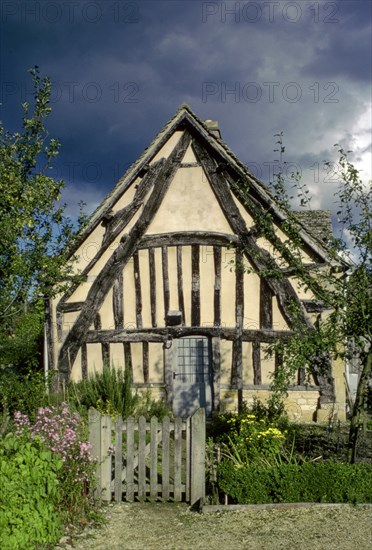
(188, 459)
(141, 458)
(197, 457)
(177, 458)
(129, 479)
(118, 485)
(165, 458)
(154, 459)
(106, 458)
(95, 441)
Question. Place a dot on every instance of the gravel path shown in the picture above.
(174, 527)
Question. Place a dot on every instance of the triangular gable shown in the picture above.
(185, 117)
(184, 145)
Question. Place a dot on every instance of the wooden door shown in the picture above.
(192, 375)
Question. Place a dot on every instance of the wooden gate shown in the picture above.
(156, 460)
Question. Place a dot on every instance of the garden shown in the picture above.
(254, 457)
(259, 456)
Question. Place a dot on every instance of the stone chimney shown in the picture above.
(213, 127)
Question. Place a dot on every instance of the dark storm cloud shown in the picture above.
(121, 69)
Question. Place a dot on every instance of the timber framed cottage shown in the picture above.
(174, 283)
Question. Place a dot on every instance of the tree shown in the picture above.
(35, 235)
(343, 287)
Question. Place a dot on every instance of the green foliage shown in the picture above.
(30, 494)
(23, 392)
(23, 349)
(252, 440)
(36, 237)
(63, 433)
(110, 392)
(148, 407)
(307, 482)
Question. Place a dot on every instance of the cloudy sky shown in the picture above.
(120, 69)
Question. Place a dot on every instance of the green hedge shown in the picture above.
(308, 482)
(29, 495)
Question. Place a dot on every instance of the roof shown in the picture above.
(317, 222)
(185, 116)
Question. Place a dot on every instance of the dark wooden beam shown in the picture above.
(137, 288)
(97, 322)
(84, 362)
(256, 360)
(166, 293)
(152, 287)
(59, 323)
(217, 286)
(106, 354)
(117, 301)
(162, 334)
(239, 316)
(260, 259)
(67, 307)
(181, 301)
(314, 306)
(119, 258)
(266, 305)
(145, 361)
(119, 221)
(195, 285)
(128, 359)
(188, 238)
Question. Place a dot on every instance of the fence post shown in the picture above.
(118, 485)
(95, 441)
(106, 458)
(197, 489)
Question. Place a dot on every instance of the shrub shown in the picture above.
(307, 482)
(109, 392)
(62, 433)
(22, 392)
(249, 439)
(30, 494)
(148, 407)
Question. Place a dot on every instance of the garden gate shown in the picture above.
(156, 460)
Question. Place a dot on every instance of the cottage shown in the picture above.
(176, 287)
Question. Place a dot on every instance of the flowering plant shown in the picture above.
(251, 439)
(61, 431)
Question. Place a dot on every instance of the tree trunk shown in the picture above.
(358, 405)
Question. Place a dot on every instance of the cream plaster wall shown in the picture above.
(226, 360)
(206, 286)
(168, 147)
(228, 294)
(172, 277)
(243, 212)
(137, 362)
(189, 155)
(189, 204)
(187, 278)
(144, 268)
(129, 300)
(159, 288)
(156, 363)
(247, 370)
(251, 300)
(279, 323)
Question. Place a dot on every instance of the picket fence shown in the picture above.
(157, 460)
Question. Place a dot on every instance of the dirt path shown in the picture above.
(174, 527)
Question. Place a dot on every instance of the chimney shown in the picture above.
(213, 127)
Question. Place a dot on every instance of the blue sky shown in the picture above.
(121, 69)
